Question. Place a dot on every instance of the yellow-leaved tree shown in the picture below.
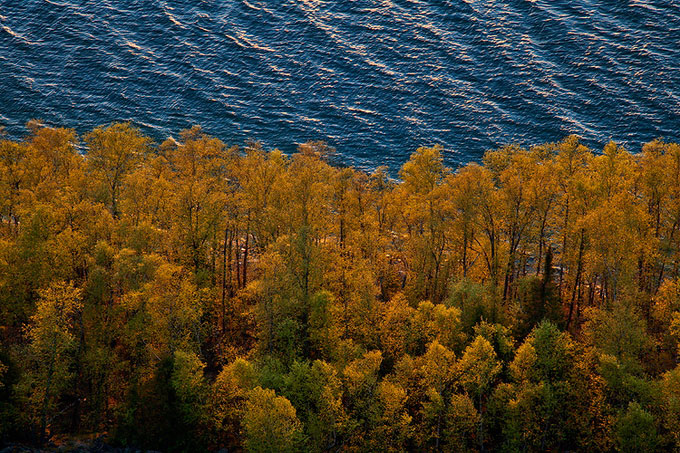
(270, 423)
(51, 351)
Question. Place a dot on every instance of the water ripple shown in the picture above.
(375, 78)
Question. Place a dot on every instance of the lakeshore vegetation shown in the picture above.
(189, 295)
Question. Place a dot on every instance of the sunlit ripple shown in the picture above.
(375, 78)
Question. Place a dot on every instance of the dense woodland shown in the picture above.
(189, 295)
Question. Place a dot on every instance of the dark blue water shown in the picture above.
(374, 78)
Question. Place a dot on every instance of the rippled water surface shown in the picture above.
(374, 78)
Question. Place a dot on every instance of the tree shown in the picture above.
(315, 390)
(172, 305)
(270, 423)
(51, 350)
(425, 213)
(539, 300)
(636, 430)
(435, 322)
(619, 332)
(670, 405)
(477, 371)
(228, 396)
(198, 174)
(541, 396)
(462, 421)
(395, 327)
(12, 177)
(436, 372)
(324, 334)
(113, 152)
(392, 429)
(190, 387)
(360, 379)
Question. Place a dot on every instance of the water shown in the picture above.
(376, 79)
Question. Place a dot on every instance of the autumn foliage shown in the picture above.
(193, 296)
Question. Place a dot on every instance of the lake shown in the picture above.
(376, 79)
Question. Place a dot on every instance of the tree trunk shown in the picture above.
(577, 280)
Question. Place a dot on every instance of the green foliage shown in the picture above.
(636, 430)
(270, 423)
(190, 387)
(155, 415)
(462, 420)
(478, 368)
(670, 394)
(619, 332)
(474, 302)
(538, 301)
(315, 389)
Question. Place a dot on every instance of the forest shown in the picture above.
(194, 296)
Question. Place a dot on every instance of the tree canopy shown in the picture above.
(192, 295)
